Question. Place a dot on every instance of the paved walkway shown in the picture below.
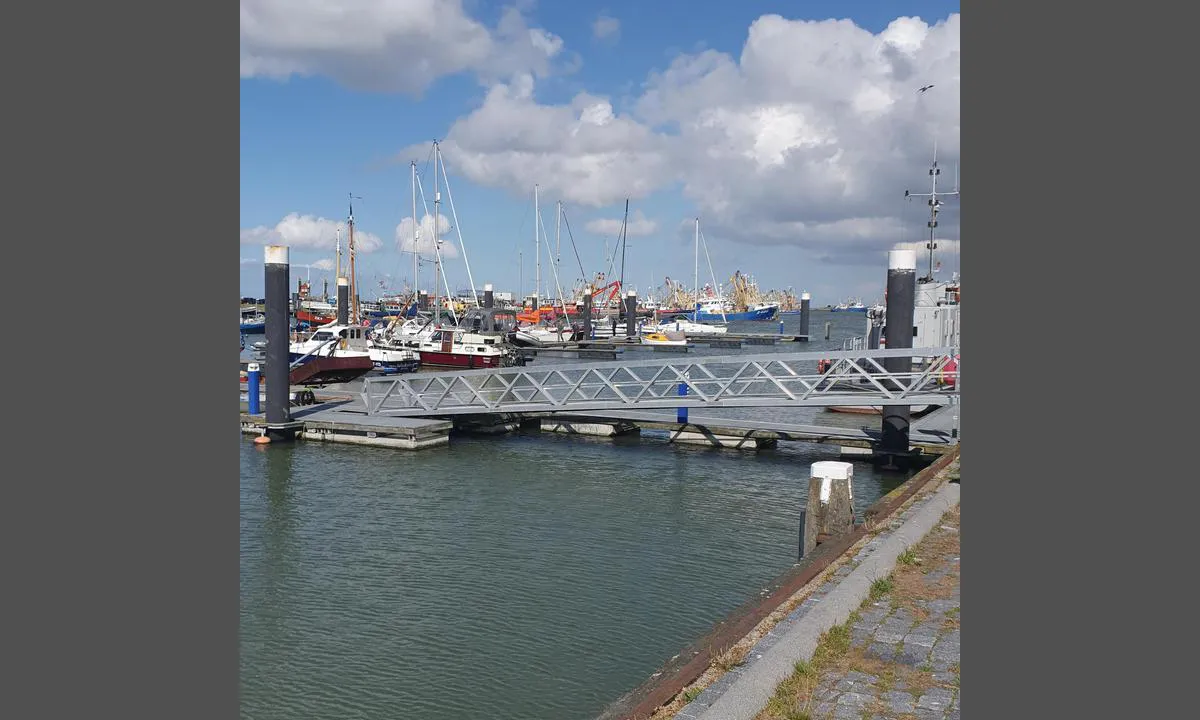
(901, 660)
(908, 641)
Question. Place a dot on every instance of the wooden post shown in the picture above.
(827, 325)
(830, 508)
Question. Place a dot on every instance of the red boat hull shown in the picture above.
(312, 318)
(458, 360)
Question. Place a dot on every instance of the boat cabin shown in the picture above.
(489, 321)
(345, 332)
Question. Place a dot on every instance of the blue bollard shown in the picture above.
(780, 326)
(681, 413)
(252, 379)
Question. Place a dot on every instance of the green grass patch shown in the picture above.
(882, 586)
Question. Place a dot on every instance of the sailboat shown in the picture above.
(716, 309)
(710, 313)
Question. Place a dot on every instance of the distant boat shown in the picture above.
(253, 324)
(713, 311)
(313, 318)
(850, 306)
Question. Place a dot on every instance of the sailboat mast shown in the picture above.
(353, 277)
(416, 235)
(537, 244)
(696, 276)
(624, 234)
(437, 259)
(338, 253)
(558, 235)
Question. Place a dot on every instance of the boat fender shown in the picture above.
(949, 372)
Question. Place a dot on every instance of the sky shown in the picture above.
(791, 130)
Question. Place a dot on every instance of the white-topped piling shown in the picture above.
(829, 511)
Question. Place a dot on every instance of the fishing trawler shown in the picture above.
(854, 305)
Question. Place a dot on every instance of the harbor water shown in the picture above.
(526, 575)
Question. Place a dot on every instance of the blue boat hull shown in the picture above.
(254, 328)
(857, 310)
(761, 314)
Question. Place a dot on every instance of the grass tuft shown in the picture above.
(882, 586)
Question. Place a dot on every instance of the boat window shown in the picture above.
(322, 336)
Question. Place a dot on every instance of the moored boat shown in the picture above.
(664, 338)
(480, 340)
(335, 340)
(684, 324)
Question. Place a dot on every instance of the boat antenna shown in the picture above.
(934, 207)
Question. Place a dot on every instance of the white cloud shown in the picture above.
(248, 261)
(308, 231)
(387, 45)
(424, 241)
(638, 224)
(582, 152)
(809, 137)
(606, 28)
(323, 264)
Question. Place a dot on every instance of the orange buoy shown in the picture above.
(262, 440)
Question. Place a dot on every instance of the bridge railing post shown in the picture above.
(681, 414)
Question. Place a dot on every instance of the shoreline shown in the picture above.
(722, 651)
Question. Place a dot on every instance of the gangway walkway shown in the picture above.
(855, 378)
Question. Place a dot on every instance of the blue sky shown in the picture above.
(793, 141)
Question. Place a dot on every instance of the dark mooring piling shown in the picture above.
(276, 270)
(898, 334)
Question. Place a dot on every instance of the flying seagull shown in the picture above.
(924, 88)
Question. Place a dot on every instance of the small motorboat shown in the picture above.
(664, 338)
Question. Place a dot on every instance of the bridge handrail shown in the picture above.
(733, 380)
